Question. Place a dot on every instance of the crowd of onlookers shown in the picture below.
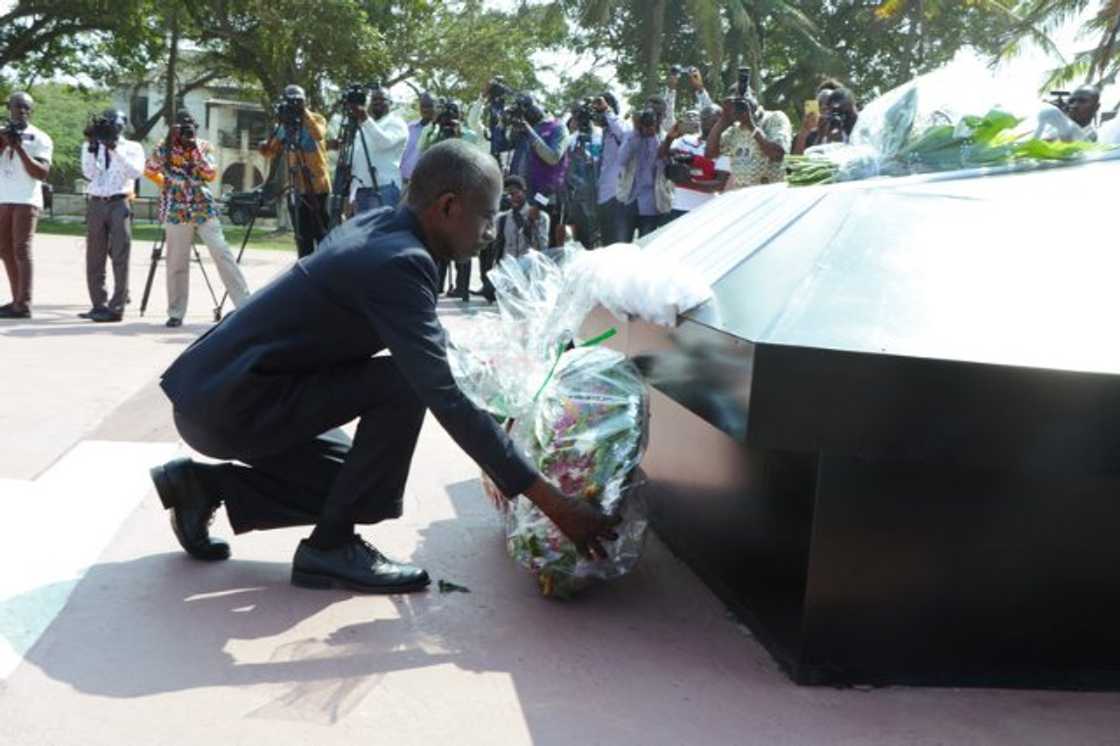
(591, 175)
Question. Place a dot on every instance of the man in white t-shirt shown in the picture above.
(25, 161)
(697, 179)
(376, 155)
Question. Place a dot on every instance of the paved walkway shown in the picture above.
(110, 635)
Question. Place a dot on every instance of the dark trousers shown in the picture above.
(609, 218)
(462, 277)
(486, 261)
(310, 221)
(17, 227)
(108, 236)
(310, 471)
(643, 224)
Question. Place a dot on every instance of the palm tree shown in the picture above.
(745, 21)
(1037, 19)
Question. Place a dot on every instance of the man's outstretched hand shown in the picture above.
(581, 522)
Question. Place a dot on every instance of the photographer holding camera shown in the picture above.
(696, 177)
(415, 129)
(448, 125)
(538, 151)
(666, 105)
(755, 140)
(375, 159)
(111, 164)
(25, 162)
(301, 134)
(580, 193)
(643, 188)
(609, 212)
(493, 100)
(183, 167)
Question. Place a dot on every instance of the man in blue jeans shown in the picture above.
(376, 155)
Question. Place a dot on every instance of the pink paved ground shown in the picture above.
(156, 649)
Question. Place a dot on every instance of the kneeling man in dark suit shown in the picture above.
(271, 384)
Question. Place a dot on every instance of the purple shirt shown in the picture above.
(645, 177)
(411, 149)
(614, 135)
(545, 178)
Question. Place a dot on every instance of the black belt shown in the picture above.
(114, 198)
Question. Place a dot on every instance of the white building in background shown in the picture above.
(228, 119)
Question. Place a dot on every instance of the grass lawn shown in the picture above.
(150, 232)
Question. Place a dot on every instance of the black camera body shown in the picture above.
(102, 130)
(585, 115)
(14, 129)
(1058, 99)
(448, 117)
(355, 94)
(289, 111)
(187, 131)
(744, 102)
(518, 111)
(498, 90)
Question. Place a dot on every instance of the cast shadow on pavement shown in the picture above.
(163, 623)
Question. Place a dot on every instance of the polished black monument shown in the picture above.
(891, 442)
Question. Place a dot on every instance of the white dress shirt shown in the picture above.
(125, 165)
(385, 139)
(17, 187)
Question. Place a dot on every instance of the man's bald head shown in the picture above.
(452, 166)
(1083, 104)
(20, 106)
(454, 190)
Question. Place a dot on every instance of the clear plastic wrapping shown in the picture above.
(955, 118)
(580, 414)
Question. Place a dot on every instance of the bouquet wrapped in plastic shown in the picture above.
(580, 413)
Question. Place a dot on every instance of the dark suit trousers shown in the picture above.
(311, 221)
(108, 235)
(311, 471)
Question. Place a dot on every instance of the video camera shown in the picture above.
(744, 102)
(1059, 102)
(518, 111)
(14, 129)
(498, 89)
(102, 130)
(289, 112)
(355, 94)
(585, 115)
(448, 118)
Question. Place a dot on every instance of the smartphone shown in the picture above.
(813, 106)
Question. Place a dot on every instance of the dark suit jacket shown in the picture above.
(370, 286)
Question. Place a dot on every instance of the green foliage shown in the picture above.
(62, 112)
(465, 45)
(39, 38)
(790, 45)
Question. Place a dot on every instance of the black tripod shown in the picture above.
(296, 163)
(344, 172)
(157, 254)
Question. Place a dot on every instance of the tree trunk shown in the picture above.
(654, 43)
(172, 70)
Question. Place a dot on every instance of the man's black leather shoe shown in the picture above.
(104, 315)
(356, 566)
(89, 314)
(191, 508)
(11, 312)
(173, 323)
